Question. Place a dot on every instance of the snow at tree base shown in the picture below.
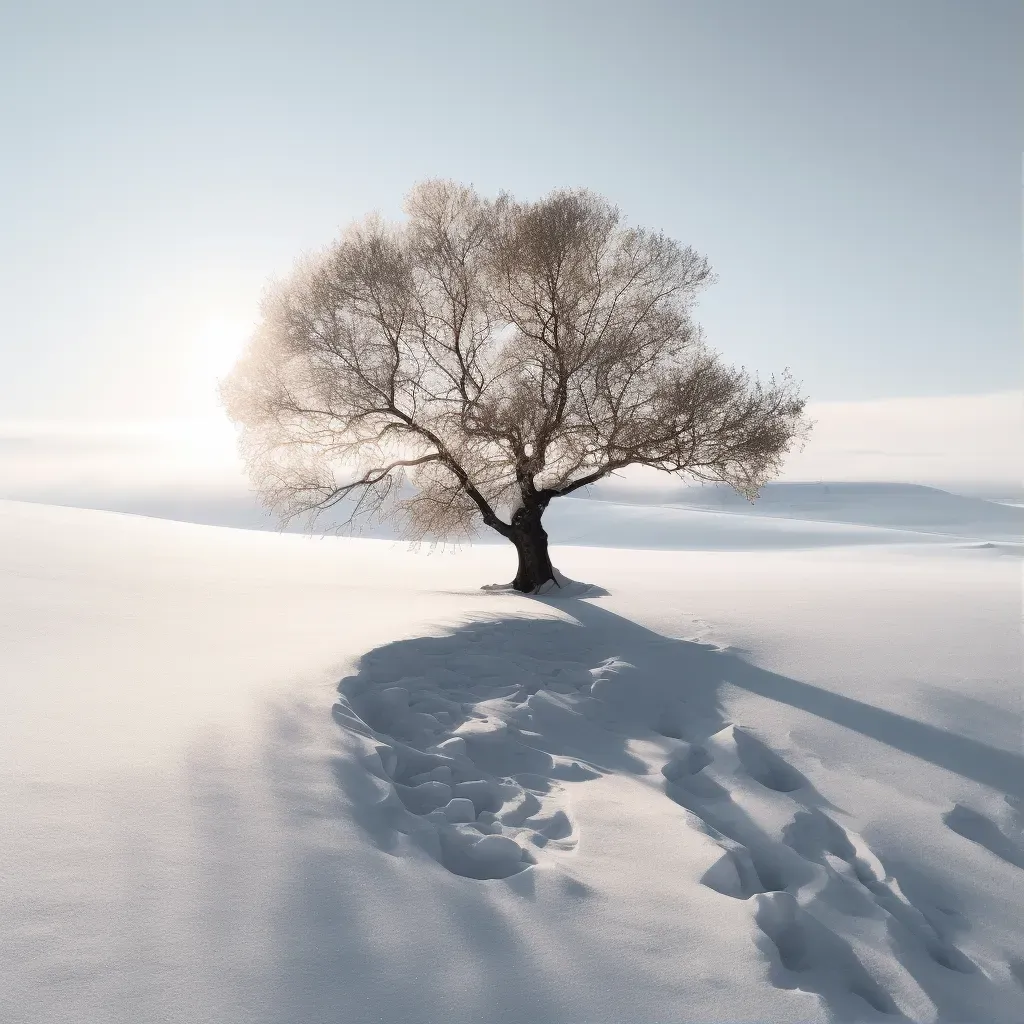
(766, 767)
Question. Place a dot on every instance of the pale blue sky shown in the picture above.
(853, 171)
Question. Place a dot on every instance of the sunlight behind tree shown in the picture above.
(496, 355)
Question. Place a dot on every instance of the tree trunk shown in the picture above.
(531, 541)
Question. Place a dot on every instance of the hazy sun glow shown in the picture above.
(217, 344)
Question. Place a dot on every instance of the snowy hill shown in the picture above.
(263, 778)
(909, 507)
(612, 515)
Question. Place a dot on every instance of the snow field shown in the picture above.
(773, 785)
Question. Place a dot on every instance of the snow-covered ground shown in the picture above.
(909, 507)
(769, 769)
(620, 515)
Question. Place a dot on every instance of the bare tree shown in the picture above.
(484, 357)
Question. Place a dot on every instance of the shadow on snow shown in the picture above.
(473, 738)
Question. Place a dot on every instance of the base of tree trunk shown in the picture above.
(528, 587)
(558, 586)
(535, 568)
(535, 573)
(543, 587)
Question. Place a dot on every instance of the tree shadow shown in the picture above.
(290, 928)
(278, 909)
(969, 758)
(471, 739)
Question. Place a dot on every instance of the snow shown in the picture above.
(767, 767)
(887, 505)
(618, 514)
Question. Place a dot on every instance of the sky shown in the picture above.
(853, 172)
(969, 444)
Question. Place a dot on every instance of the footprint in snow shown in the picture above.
(1006, 842)
(800, 876)
(454, 718)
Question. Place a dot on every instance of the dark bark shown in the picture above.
(531, 542)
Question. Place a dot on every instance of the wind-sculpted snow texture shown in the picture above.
(461, 751)
(485, 737)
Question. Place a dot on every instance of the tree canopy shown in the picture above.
(483, 357)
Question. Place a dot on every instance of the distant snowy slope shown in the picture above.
(692, 518)
(629, 525)
(884, 505)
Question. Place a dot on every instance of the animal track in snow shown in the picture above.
(1006, 842)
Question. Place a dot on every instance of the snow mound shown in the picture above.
(560, 586)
